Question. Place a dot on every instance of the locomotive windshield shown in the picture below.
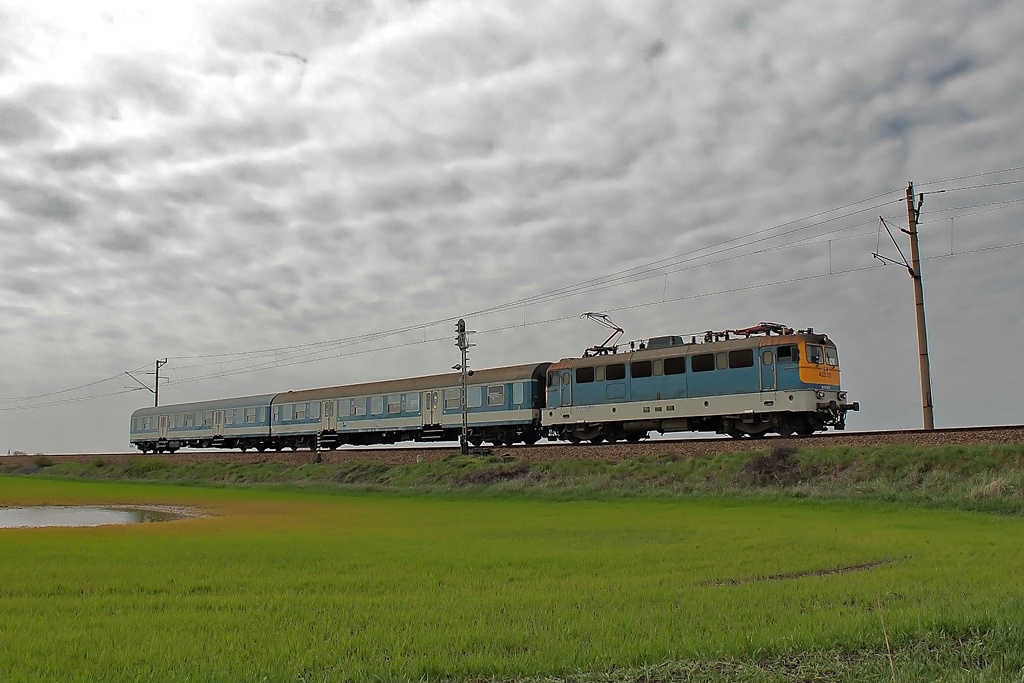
(814, 354)
(831, 357)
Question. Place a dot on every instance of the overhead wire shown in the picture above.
(333, 348)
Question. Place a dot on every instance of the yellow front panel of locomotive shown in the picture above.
(821, 373)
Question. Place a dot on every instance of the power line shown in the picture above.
(322, 350)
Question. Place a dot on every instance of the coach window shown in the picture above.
(288, 411)
(359, 406)
(703, 362)
(641, 368)
(496, 395)
(190, 419)
(412, 402)
(676, 366)
(615, 372)
(314, 410)
(301, 410)
(377, 405)
(474, 397)
(518, 394)
(584, 375)
(451, 399)
(394, 404)
(741, 358)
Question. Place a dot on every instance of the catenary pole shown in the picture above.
(156, 382)
(913, 212)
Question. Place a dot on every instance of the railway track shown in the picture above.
(680, 447)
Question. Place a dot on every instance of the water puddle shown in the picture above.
(83, 515)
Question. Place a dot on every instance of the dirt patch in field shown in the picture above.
(786, 576)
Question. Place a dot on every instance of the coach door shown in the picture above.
(768, 371)
(163, 427)
(431, 408)
(218, 423)
(328, 416)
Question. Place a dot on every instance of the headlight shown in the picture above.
(842, 395)
(820, 394)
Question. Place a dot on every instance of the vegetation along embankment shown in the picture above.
(985, 477)
(788, 563)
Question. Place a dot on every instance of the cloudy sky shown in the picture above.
(279, 195)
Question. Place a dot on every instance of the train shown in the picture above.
(744, 383)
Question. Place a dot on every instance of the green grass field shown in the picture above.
(281, 585)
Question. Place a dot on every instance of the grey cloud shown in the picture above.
(41, 201)
(939, 74)
(143, 79)
(23, 285)
(257, 132)
(19, 124)
(131, 241)
(83, 158)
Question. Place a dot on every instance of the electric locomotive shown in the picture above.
(746, 382)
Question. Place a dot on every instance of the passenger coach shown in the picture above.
(503, 407)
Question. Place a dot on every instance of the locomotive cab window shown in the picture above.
(814, 354)
(831, 357)
(553, 379)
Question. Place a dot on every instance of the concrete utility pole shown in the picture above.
(922, 332)
(462, 341)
